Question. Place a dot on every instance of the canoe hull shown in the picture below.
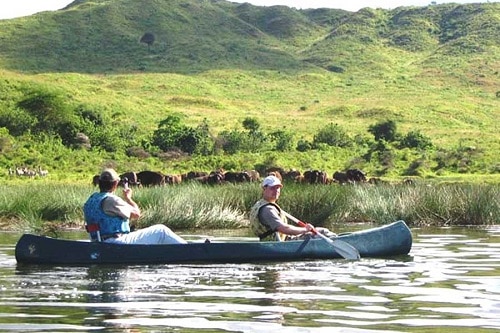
(389, 240)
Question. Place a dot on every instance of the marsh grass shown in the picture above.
(316, 204)
(191, 206)
(42, 208)
(424, 205)
(29, 207)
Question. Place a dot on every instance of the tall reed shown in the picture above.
(192, 205)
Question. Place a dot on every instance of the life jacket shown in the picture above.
(264, 232)
(94, 214)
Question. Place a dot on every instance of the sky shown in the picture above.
(18, 8)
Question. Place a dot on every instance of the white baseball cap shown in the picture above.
(271, 181)
(109, 175)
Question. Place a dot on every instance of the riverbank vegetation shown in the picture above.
(48, 207)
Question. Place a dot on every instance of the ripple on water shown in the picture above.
(448, 280)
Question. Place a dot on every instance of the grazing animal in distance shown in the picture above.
(173, 179)
(275, 171)
(215, 177)
(293, 175)
(340, 177)
(236, 177)
(191, 175)
(151, 178)
(41, 172)
(315, 177)
(356, 175)
(254, 175)
(131, 177)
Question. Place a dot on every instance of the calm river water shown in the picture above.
(450, 281)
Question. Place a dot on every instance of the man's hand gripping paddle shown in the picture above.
(345, 249)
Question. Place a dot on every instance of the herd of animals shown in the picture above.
(220, 176)
(155, 178)
(28, 172)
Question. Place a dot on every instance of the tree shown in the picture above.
(171, 133)
(169, 130)
(206, 143)
(53, 115)
(148, 38)
(385, 130)
(251, 124)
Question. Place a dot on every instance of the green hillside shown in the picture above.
(433, 69)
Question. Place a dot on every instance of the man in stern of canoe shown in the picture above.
(112, 214)
(268, 221)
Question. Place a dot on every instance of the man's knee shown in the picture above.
(160, 228)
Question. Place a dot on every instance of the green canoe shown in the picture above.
(389, 240)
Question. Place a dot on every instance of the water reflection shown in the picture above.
(450, 279)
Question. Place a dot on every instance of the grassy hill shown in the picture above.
(434, 69)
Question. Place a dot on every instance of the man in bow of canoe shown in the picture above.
(268, 221)
(112, 214)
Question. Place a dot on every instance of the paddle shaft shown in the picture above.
(345, 249)
(304, 225)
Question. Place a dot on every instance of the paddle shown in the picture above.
(345, 249)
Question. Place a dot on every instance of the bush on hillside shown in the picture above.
(283, 140)
(332, 135)
(171, 134)
(50, 111)
(148, 38)
(17, 121)
(415, 139)
(384, 130)
(303, 145)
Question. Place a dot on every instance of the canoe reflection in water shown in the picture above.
(105, 284)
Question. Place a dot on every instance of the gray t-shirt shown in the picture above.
(115, 206)
(270, 216)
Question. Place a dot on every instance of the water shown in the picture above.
(450, 281)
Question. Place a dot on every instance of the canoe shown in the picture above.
(388, 240)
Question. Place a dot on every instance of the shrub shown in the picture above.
(332, 135)
(283, 140)
(251, 124)
(17, 121)
(171, 133)
(148, 38)
(385, 130)
(303, 145)
(51, 112)
(335, 69)
(5, 140)
(415, 139)
(231, 141)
